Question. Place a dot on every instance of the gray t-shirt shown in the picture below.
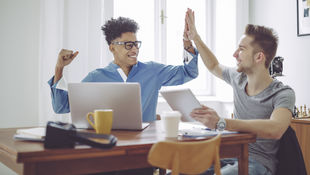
(260, 106)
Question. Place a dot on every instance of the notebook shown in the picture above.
(30, 134)
(123, 98)
(182, 100)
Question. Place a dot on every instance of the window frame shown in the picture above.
(160, 34)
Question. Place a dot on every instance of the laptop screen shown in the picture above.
(123, 98)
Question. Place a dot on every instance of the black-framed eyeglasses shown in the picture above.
(129, 44)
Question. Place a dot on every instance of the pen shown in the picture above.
(208, 129)
(203, 128)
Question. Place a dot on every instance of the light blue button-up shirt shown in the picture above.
(150, 75)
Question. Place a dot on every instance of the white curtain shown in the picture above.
(75, 25)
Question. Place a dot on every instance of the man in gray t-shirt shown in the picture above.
(259, 106)
(262, 105)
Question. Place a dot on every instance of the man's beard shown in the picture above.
(240, 69)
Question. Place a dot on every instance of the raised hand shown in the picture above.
(191, 33)
(185, 37)
(65, 57)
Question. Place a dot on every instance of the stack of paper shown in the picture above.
(32, 134)
(197, 129)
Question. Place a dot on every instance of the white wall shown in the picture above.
(282, 16)
(19, 48)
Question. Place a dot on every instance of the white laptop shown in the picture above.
(123, 98)
(182, 100)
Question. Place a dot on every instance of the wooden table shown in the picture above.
(30, 158)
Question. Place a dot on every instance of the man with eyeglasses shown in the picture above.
(120, 35)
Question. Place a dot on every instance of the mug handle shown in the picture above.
(90, 114)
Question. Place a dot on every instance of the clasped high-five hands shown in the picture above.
(190, 31)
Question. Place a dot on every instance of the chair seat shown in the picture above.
(186, 157)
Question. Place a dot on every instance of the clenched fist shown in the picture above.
(65, 57)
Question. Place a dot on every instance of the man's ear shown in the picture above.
(111, 48)
(260, 57)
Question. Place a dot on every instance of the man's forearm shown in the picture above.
(207, 56)
(264, 128)
(58, 74)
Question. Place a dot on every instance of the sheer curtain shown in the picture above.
(74, 25)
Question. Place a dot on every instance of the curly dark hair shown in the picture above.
(114, 28)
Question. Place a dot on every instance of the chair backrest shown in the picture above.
(192, 157)
(290, 157)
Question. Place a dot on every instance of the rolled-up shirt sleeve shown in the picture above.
(170, 75)
(59, 94)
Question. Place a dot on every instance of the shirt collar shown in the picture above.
(114, 67)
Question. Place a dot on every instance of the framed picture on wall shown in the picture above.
(303, 17)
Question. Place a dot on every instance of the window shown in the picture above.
(143, 13)
(175, 12)
(225, 43)
(76, 25)
(161, 31)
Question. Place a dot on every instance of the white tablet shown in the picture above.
(182, 100)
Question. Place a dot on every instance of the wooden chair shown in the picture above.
(192, 157)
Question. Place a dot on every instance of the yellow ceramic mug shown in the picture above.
(103, 119)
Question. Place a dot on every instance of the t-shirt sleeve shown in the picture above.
(285, 99)
(228, 74)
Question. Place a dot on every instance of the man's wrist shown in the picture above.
(221, 124)
(185, 39)
(59, 68)
(190, 49)
(58, 73)
(188, 46)
(187, 42)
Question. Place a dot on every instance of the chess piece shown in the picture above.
(305, 111)
(308, 112)
(297, 113)
(301, 113)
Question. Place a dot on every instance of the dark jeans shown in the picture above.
(224, 162)
(230, 167)
(210, 171)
